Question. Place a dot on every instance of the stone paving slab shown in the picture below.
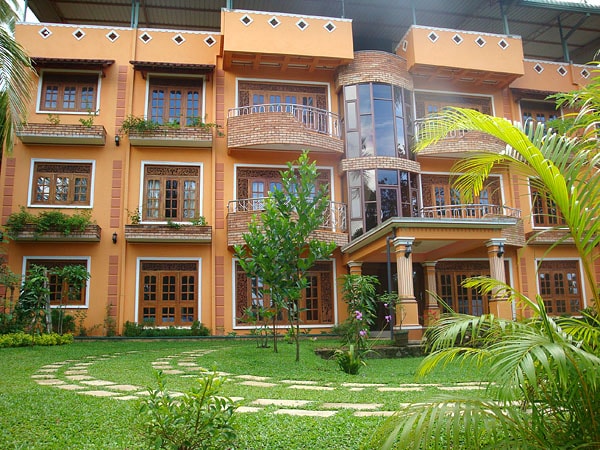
(299, 382)
(187, 364)
(305, 412)
(356, 389)
(280, 402)
(125, 387)
(311, 388)
(363, 384)
(460, 388)
(373, 413)
(79, 377)
(48, 370)
(351, 405)
(98, 382)
(70, 387)
(173, 372)
(400, 389)
(248, 409)
(127, 397)
(76, 372)
(43, 375)
(50, 382)
(100, 393)
(258, 384)
(252, 377)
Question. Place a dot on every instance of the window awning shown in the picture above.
(70, 63)
(164, 67)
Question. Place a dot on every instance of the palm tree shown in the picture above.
(15, 79)
(544, 372)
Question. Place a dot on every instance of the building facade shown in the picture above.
(231, 107)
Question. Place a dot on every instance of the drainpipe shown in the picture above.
(504, 18)
(135, 13)
(414, 12)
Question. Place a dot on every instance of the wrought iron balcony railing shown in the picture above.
(309, 117)
(334, 219)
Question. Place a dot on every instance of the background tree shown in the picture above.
(545, 372)
(280, 245)
(15, 76)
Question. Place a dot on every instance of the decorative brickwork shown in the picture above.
(548, 237)
(278, 131)
(185, 234)
(377, 67)
(173, 137)
(113, 286)
(9, 185)
(515, 235)
(463, 142)
(220, 295)
(121, 97)
(49, 133)
(115, 193)
(380, 162)
(219, 196)
(90, 234)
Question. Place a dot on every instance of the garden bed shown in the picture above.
(379, 352)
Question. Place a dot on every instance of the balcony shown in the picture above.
(548, 76)
(168, 233)
(91, 233)
(62, 134)
(469, 211)
(285, 42)
(459, 143)
(281, 126)
(240, 213)
(197, 137)
(464, 58)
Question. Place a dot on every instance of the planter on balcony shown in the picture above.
(91, 233)
(185, 234)
(62, 134)
(172, 137)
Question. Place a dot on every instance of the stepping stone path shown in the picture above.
(74, 375)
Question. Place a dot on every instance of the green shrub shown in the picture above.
(200, 419)
(198, 329)
(23, 339)
(350, 360)
(147, 329)
(47, 221)
(68, 321)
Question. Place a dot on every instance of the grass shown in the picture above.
(33, 416)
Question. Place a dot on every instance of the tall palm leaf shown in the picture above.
(15, 77)
(564, 168)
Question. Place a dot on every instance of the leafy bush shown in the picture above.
(23, 340)
(47, 221)
(200, 419)
(68, 321)
(350, 360)
(132, 329)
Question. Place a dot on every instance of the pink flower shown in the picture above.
(388, 318)
(363, 333)
(358, 315)
(385, 305)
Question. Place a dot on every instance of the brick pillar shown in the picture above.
(498, 305)
(355, 267)
(407, 311)
(432, 309)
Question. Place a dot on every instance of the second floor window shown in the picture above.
(544, 211)
(171, 193)
(69, 92)
(175, 100)
(61, 184)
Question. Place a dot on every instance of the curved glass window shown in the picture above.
(376, 117)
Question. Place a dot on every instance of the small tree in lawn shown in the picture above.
(279, 248)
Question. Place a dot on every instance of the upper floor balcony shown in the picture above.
(549, 76)
(240, 213)
(168, 233)
(61, 134)
(459, 143)
(462, 57)
(284, 126)
(285, 42)
(469, 211)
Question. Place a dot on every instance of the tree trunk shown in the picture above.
(275, 331)
(297, 337)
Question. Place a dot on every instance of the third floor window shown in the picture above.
(175, 100)
(69, 92)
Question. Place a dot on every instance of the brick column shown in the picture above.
(432, 309)
(407, 311)
(355, 267)
(499, 307)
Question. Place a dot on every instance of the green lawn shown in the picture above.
(34, 416)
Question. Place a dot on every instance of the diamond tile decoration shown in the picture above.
(503, 44)
(329, 26)
(79, 34)
(480, 41)
(145, 38)
(538, 68)
(246, 20)
(585, 73)
(210, 41)
(45, 32)
(178, 39)
(302, 24)
(457, 39)
(112, 36)
(562, 71)
(274, 22)
(433, 37)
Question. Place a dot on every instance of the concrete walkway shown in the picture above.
(74, 375)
